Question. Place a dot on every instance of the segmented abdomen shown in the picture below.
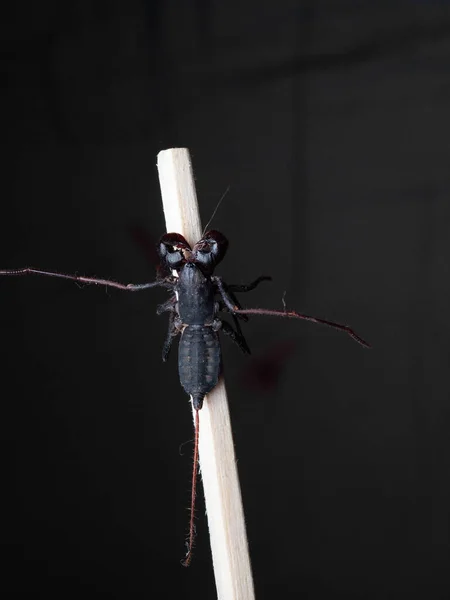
(199, 361)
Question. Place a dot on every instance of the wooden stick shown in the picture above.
(217, 460)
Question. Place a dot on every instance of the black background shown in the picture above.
(330, 122)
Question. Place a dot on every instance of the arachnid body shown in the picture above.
(194, 310)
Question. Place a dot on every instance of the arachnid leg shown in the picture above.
(290, 314)
(228, 289)
(236, 336)
(239, 332)
(231, 302)
(237, 325)
(248, 287)
(222, 306)
(226, 297)
(130, 287)
(167, 306)
(234, 300)
(172, 332)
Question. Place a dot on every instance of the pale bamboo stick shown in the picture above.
(223, 500)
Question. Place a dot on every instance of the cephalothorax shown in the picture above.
(199, 299)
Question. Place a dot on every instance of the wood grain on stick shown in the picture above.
(223, 500)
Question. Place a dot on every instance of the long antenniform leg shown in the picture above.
(291, 314)
(190, 543)
(130, 287)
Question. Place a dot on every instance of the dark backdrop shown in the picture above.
(330, 122)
